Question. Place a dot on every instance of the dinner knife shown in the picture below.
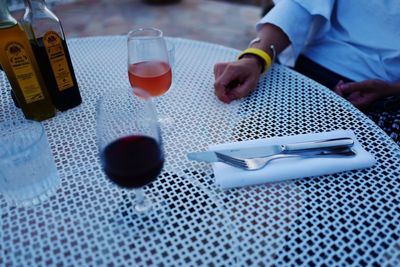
(265, 151)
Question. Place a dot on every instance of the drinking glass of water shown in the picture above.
(28, 174)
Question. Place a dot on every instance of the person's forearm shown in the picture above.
(269, 35)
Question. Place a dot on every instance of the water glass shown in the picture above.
(28, 174)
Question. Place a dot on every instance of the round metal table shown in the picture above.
(345, 219)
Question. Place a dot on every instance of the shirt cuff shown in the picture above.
(294, 21)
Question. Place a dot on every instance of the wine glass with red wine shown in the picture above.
(129, 142)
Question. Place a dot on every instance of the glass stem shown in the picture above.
(142, 203)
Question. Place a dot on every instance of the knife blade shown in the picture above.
(265, 151)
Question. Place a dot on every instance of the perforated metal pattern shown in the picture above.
(349, 218)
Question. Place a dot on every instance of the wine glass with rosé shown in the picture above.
(148, 61)
(129, 143)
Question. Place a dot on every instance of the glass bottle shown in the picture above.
(48, 42)
(21, 68)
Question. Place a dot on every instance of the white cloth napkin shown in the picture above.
(291, 168)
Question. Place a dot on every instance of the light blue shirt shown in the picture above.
(359, 40)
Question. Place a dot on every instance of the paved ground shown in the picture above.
(225, 23)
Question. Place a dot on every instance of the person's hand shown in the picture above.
(237, 79)
(363, 94)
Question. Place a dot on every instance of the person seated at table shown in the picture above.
(351, 47)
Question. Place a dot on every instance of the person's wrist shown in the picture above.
(388, 89)
(266, 47)
(265, 58)
(255, 60)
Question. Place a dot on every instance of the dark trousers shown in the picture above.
(385, 113)
(318, 73)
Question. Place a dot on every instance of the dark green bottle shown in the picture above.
(48, 42)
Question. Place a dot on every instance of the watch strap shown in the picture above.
(260, 54)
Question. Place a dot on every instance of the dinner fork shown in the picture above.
(252, 164)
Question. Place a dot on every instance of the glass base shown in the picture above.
(150, 216)
(34, 194)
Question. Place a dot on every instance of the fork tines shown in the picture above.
(235, 162)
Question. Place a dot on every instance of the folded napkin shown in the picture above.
(290, 168)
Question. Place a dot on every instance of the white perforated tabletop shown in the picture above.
(346, 219)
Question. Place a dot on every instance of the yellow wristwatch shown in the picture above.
(265, 59)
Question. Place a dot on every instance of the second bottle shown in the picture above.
(48, 42)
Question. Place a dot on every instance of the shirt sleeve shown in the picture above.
(297, 19)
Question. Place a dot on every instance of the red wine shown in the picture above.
(132, 161)
(63, 89)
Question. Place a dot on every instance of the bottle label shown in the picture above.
(58, 61)
(24, 73)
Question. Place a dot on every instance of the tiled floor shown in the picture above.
(218, 22)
